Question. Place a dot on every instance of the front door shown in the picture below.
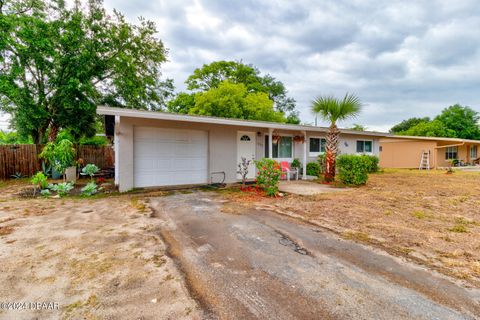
(246, 147)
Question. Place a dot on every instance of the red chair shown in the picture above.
(287, 170)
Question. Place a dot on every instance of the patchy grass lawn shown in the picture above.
(98, 258)
(429, 217)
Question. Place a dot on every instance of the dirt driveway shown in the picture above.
(91, 258)
(244, 263)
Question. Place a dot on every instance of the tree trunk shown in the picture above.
(52, 135)
(331, 152)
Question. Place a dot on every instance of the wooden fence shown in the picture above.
(23, 158)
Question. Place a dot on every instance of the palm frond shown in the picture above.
(332, 109)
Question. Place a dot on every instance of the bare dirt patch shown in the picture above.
(429, 217)
(98, 258)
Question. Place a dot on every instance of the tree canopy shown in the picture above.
(407, 124)
(454, 122)
(358, 127)
(333, 109)
(57, 63)
(433, 128)
(232, 100)
(212, 76)
(464, 121)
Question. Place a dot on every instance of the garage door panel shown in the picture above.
(189, 164)
(150, 149)
(169, 156)
(190, 178)
(147, 164)
(190, 150)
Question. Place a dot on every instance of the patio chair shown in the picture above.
(288, 171)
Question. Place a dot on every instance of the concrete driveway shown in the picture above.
(256, 264)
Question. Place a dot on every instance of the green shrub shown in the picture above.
(62, 189)
(269, 173)
(90, 189)
(39, 180)
(313, 169)
(371, 162)
(59, 155)
(45, 193)
(89, 170)
(352, 169)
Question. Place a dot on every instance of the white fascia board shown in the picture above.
(134, 113)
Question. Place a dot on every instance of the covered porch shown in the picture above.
(462, 154)
(285, 146)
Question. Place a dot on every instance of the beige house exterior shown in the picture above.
(166, 149)
(406, 151)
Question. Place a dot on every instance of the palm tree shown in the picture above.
(333, 110)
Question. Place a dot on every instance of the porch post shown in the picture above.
(270, 147)
(116, 146)
(304, 171)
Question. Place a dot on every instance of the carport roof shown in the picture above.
(134, 113)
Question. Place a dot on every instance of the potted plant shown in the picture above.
(296, 164)
(299, 139)
(61, 156)
(275, 138)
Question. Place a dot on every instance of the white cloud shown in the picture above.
(403, 58)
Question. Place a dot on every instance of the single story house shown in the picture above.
(166, 149)
(408, 151)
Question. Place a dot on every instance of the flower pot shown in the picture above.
(56, 174)
(71, 174)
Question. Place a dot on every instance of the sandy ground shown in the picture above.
(94, 258)
(429, 217)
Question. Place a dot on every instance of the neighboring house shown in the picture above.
(164, 149)
(406, 151)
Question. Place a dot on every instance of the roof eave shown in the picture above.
(133, 113)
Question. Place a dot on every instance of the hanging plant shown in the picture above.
(275, 138)
(299, 139)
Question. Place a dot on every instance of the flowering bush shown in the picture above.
(101, 180)
(269, 172)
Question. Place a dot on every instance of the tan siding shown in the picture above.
(405, 154)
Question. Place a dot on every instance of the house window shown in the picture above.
(317, 146)
(245, 138)
(473, 152)
(364, 146)
(283, 149)
(451, 153)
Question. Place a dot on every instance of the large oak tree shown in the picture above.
(57, 63)
(212, 76)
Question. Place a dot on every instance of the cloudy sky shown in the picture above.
(403, 58)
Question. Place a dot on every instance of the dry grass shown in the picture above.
(431, 217)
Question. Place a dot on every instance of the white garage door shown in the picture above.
(165, 157)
